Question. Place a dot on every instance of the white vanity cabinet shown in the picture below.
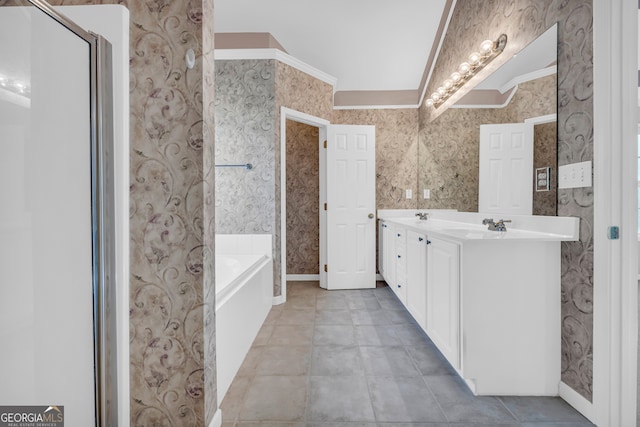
(490, 301)
(416, 266)
(443, 298)
(381, 262)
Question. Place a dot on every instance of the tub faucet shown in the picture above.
(423, 215)
(496, 226)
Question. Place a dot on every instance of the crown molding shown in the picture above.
(278, 55)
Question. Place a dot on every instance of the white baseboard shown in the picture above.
(303, 277)
(280, 299)
(576, 400)
(217, 419)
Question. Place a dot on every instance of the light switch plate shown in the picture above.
(575, 175)
(427, 193)
(408, 193)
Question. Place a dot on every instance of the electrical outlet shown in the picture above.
(408, 193)
(427, 193)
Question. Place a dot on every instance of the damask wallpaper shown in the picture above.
(172, 296)
(303, 199)
(523, 21)
(245, 133)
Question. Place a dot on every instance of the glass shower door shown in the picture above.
(46, 227)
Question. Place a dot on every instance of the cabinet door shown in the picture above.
(400, 284)
(417, 276)
(443, 298)
(389, 254)
(381, 263)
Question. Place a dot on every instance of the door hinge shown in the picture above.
(325, 143)
(325, 206)
(326, 269)
(613, 232)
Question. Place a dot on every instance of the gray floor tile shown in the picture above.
(264, 334)
(234, 398)
(329, 301)
(333, 317)
(377, 335)
(387, 361)
(339, 399)
(537, 409)
(342, 425)
(399, 317)
(370, 317)
(429, 360)
(273, 314)
(297, 317)
(336, 361)
(310, 334)
(284, 360)
(558, 424)
(251, 360)
(460, 405)
(411, 334)
(334, 335)
(301, 302)
(295, 335)
(271, 424)
(277, 398)
(364, 303)
(390, 303)
(403, 399)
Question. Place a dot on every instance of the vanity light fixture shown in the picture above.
(476, 61)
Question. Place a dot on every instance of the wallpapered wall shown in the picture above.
(448, 147)
(545, 154)
(303, 192)
(245, 133)
(172, 296)
(522, 21)
(249, 94)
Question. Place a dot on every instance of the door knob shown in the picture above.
(371, 216)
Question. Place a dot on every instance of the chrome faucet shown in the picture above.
(496, 226)
(423, 215)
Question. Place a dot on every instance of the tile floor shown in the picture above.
(357, 359)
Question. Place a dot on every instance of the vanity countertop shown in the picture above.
(464, 226)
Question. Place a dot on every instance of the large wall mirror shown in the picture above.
(523, 89)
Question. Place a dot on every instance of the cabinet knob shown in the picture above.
(399, 257)
(398, 234)
(420, 239)
(428, 242)
(399, 285)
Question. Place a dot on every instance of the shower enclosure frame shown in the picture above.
(102, 218)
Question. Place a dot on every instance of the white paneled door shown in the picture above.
(506, 169)
(351, 202)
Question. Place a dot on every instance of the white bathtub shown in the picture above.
(244, 296)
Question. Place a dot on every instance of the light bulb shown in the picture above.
(441, 90)
(455, 77)
(474, 58)
(486, 47)
(464, 68)
(429, 102)
(448, 84)
(435, 96)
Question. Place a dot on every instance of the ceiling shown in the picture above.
(367, 45)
